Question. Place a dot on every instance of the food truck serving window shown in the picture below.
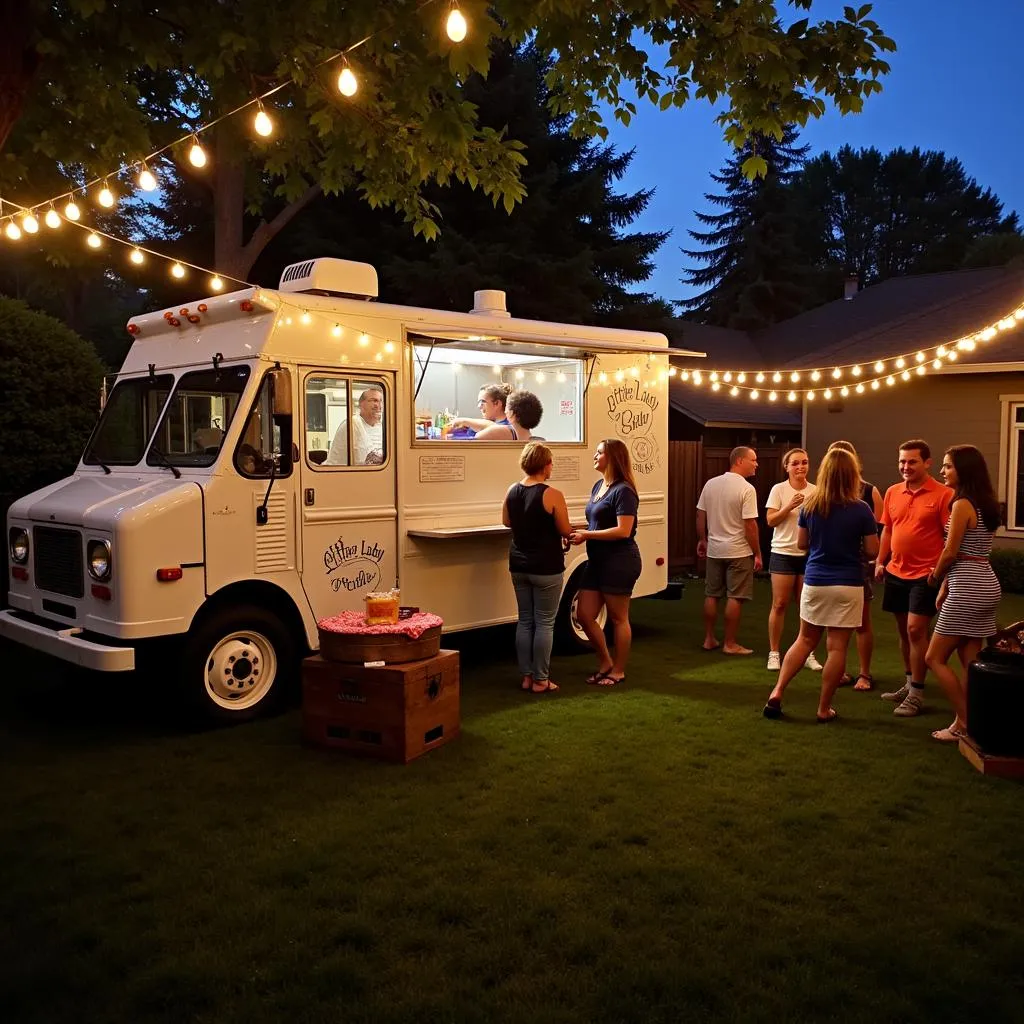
(127, 421)
(464, 393)
(346, 421)
(197, 417)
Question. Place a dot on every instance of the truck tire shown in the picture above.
(569, 633)
(237, 663)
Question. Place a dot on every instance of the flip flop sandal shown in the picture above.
(596, 677)
(609, 680)
(546, 686)
(864, 689)
(948, 735)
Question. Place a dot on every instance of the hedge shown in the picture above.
(1008, 564)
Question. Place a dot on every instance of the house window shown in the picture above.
(1015, 484)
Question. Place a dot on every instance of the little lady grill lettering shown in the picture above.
(354, 566)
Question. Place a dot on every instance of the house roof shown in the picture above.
(713, 409)
(900, 315)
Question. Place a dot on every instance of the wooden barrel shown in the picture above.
(391, 648)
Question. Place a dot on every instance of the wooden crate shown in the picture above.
(990, 764)
(395, 712)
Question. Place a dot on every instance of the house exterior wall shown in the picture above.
(946, 409)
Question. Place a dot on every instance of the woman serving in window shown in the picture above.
(491, 403)
(524, 411)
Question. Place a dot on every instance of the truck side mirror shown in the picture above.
(281, 386)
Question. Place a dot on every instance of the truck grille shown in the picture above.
(58, 561)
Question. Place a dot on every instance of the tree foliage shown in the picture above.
(754, 271)
(878, 215)
(88, 85)
(566, 254)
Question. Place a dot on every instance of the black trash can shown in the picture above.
(995, 702)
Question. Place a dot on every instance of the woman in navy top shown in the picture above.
(837, 529)
(613, 559)
(538, 518)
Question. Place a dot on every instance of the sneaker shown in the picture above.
(774, 661)
(812, 663)
(910, 707)
(897, 696)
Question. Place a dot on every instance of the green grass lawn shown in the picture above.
(657, 852)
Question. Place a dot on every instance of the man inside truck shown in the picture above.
(367, 434)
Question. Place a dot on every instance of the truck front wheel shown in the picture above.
(237, 663)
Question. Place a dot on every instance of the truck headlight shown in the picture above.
(17, 539)
(98, 553)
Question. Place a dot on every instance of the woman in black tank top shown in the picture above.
(539, 519)
(865, 633)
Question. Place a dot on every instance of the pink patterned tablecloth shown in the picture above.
(354, 624)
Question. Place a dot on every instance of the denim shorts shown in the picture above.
(787, 565)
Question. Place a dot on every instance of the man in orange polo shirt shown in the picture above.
(914, 515)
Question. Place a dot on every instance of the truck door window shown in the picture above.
(266, 442)
(197, 416)
(346, 421)
(127, 421)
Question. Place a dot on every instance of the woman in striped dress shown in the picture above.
(970, 591)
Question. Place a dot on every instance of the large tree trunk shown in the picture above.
(233, 255)
(18, 63)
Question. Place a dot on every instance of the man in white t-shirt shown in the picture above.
(367, 434)
(727, 536)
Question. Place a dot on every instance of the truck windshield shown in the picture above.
(127, 421)
(197, 417)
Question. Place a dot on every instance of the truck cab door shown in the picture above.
(349, 512)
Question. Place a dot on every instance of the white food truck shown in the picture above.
(225, 501)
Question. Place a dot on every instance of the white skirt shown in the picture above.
(841, 607)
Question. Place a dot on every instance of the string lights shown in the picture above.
(903, 367)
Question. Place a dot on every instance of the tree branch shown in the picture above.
(265, 232)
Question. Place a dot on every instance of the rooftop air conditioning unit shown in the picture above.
(327, 276)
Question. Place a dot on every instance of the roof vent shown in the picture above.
(489, 302)
(330, 277)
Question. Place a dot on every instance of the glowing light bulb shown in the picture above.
(810, 396)
(827, 394)
(900, 363)
(856, 371)
(921, 370)
(905, 375)
(941, 351)
(305, 319)
(741, 377)
(560, 376)
(875, 385)
(29, 224)
(684, 375)
(196, 154)
(106, 197)
(177, 271)
(619, 376)
(137, 256)
(697, 378)
(147, 180)
(364, 340)
(389, 347)
(347, 82)
(860, 389)
(755, 395)
(760, 378)
(12, 231)
(794, 377)
(734, 391)
(951, 356)
(456, 26)
(844, 391)
(879, 366)
(837, 373)
(715, 386)
(216, 284)
(52, 218)
(93, 241)
(714, 375)
(816, 375)
(634, 372)
(71, 211)
(792, 396)
(772, 396)
(776, 376)
(262, 124)
(890, 380)
(336, 331)
(671, 371)
(540, 377)
(727, 376)
(919, 357)
(936, 364)
(602, 378)
(988, 334)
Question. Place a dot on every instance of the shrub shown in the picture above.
(1008, 564)
(49, 399)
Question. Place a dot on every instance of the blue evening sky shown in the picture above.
(955, 86)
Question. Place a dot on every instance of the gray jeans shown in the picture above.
(537, 597)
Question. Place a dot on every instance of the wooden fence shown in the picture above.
(690, 465)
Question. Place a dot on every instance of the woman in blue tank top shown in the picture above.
(538, 518)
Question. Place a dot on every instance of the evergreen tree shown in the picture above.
(565, 253)
(754, 271)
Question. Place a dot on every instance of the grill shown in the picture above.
(58, 561)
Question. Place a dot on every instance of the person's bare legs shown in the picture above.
(618, 612)
(836, 643)
(865, 647)
(901, 629)
(917, 636)
(710, 617)
(783, 588)
(588, 607)
(795, 657)
(733, 609)
(940, 650)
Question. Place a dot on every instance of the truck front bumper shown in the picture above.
(66, 644)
